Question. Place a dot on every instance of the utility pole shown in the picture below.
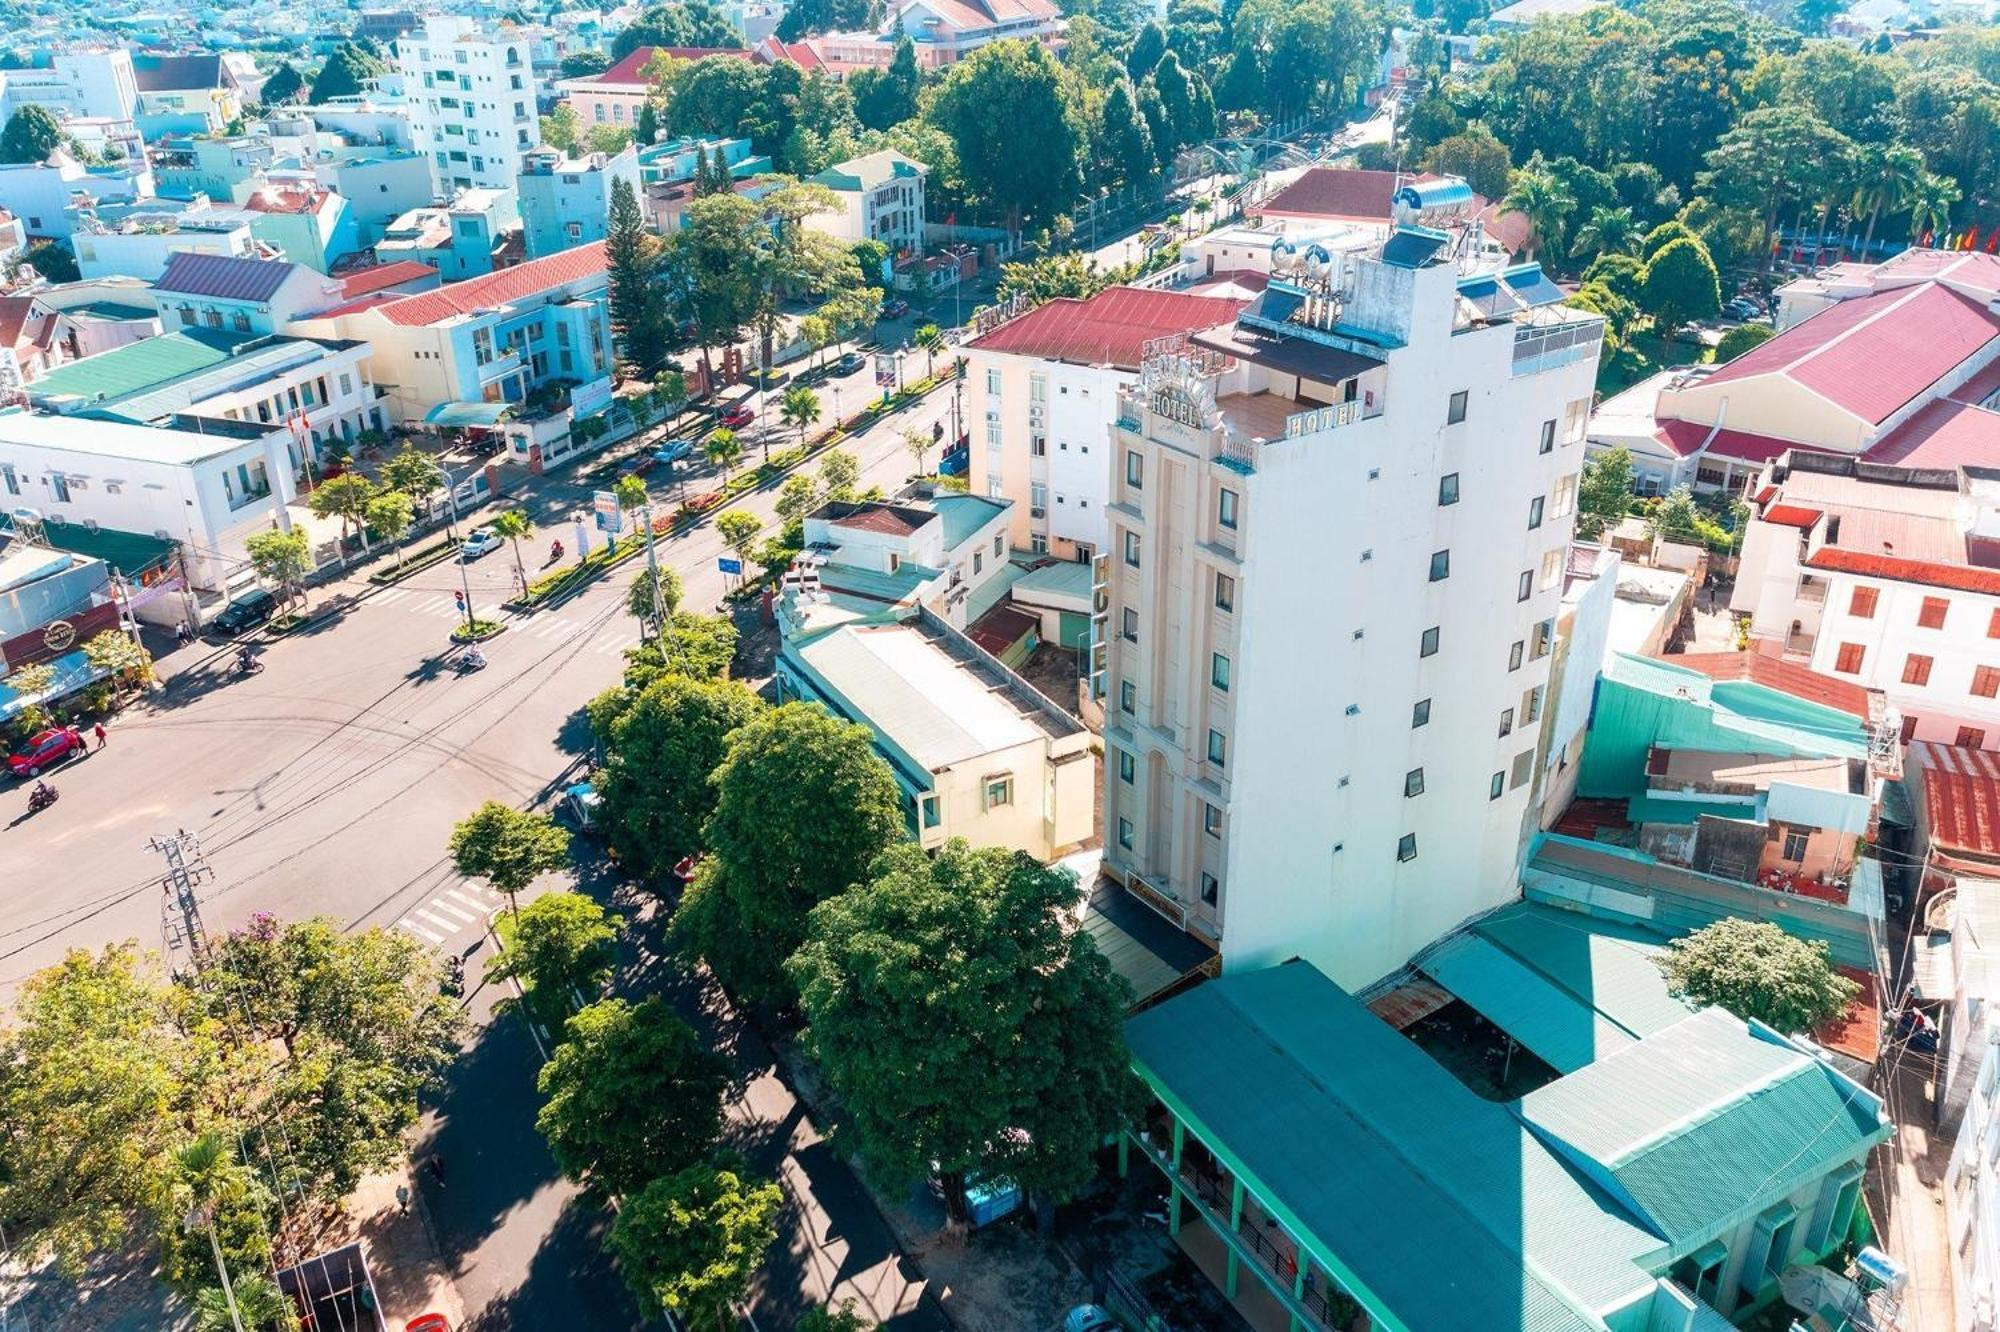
(653, 575)
(180, 912)
(203, 1218)
(451, 530)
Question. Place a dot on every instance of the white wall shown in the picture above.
(1892, 634)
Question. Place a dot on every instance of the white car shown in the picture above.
(481, 541)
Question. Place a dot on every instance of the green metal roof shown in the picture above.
(138, 365)
(1705, 1123)
(129, 553)
(1062, 578)
(964, 515)
(468, 413)
(1570, 988)
(239, 371)
(1436, 1209)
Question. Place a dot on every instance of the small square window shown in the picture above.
(1225, 508)
(1497, 787)
(1524, 587)
(1406, 846)
(1534, 513)
(1131, 625)
(1524, 768)
(1448, 488)
(1211, 819)
(1413, 782)
(1218, 671)
(1218, 748)
(1456, 412)
(1861, 605)
(932, 816)
(1548, 437)
(1132, 549)
(1125, 833)
(1931, 614)
(1986, 682)
(1916, 669)
(1210, 889)
(1128, 768)
(1128, 698)
(1225, 592)
(999, 791)
(1420, 713)
(1429, 645)
(1848, 660)
(1440, 565)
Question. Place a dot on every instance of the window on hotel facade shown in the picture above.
(1524, 768)
(1131, 625)
(1515, 654)
(1506, 721)
(1125, 833)
(1535, 513)
(1971, 737)
(1420, 713)
(1132, 549)
(1909, 728)
(1456, 412)
(1218, 671)
(999, 791)
(1428, 645)
(1128, 698)
(1448, 489)
(1795, 844)
(993, 382)
(1848, 659)
(1916, 669)
(1211, 889)
(1548, 437)
(1218, 748)
(1406, 847)
(1440, 565)
(1225, 592)
(1225, 508)
(1993, 625)
(1497, 787)
(1931, 614)
(1413, 782)
(1135, 469)
(1524, 586)
(1986, 681)
(1861, 605)
(1128, 767)
(1211, 819)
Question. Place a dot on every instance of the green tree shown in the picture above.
(1604, 492)
(1035, 1073)
(1475, 155)
(1609, 231)
(1032, 172)
(662, 749)
(1681, 284)
(738, 531)
(563, 128)
(345, 497)
(1885, 178)
(31, 134)
(1125, 151)
(346, 73)
(583, 64)
(259, 1302)
(1186, 107)
(513, 525)
(700, 647)
(640, 315)
(632, 1094)
(803, 806)
(206, 1190)
(94, 1075)
(722, 449)
(1660, 237)
(710, 285)
(931, 338)
(917, 444)
(800, 410)
(53, 261)
(607, 139)
(389, 515)
(685, 23)
(839, 474)
(286, 84)
(1930, 206)
(639, 596)
(1537, 195)
(826, 1318)
(563, 941)
(1774, 156)
(1148, 45)
(1621, 273)
(1739, 340)
(689, 1243)
(116, 654)
(415, 473)
(1757, 971)
(890, 96)
(1048, 277)
(508, 848)
(798, 497)
(282, 559)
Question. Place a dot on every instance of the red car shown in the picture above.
(46, 750)
(430, 1322)
(738, 417)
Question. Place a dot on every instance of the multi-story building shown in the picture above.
(471, 96)
(306, 223)
(81, 83)
(200, 91)
(239, 295)
(459, 239)
(142, 245)
(1042, 396)
(1337, 541)
(1889, 364)
(487, 341)
(616, 95)
(881, 198)
(42, 194)
(944, 32)
(566, 201)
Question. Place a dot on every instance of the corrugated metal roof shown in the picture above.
(581, 264)
(1705, 1121)
(964, 515)
(1444, 1210)
(238, 371)
(223, 277)
(1961, 796)
(138, 366)
(1110, 328)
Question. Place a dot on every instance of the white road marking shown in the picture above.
(451, 911)
(478, 907)
(448, 926)
(420, 931)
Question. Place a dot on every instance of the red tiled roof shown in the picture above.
(1774, 673)
(1955, 577)
(1793, 515)
(1858, 1031)
(1110, 327)
(376, 277)
(1684, 437)
(884, 519)
(804, 54)
(1943, 434)
(495, 289)
(632, 68)
(1974, 270)
(1981, 386)
(1247, 279)
(282, 200)
(975, 15)
(1961, 796)
(1871, 355)
(1002, 627)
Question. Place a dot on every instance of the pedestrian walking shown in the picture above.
(183, 635)
(403, 1198)
(98, 730)
(436, 1166)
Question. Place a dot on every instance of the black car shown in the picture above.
(849, 363)
(244, 613)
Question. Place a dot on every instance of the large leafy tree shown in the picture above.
(641, 312)
(1050, 276)
(964, 1021)
(1125, 145)
(700, 647)
(888, 97)
(562, 941)
(1755, 970)
(1681, 284)
(282, 559)
(346, 72)
(1477, 156)
(286, 84)
(508, 848)
(1537, 194)
(1775, 156)
(1885, 177)
(632, 1095)
(1032, 172)
(803, 806)
(689, 1243)
(683, 23)
(662, 750)
(1604, 492)
(710, 285)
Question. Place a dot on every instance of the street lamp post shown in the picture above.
(451, 530)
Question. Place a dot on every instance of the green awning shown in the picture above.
(463, 414)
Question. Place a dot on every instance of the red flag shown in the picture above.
(1926, 241)
(1993, 242)
(1971, 238)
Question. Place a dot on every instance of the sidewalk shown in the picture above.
(1906, 1196)
(409, 1272)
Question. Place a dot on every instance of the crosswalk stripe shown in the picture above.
(451, 911)
(478, 907)
(389, 596)
(448, 926)
(420, 931)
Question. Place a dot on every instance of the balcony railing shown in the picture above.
(1812, 590)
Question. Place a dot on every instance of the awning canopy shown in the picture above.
(463, 414)
(72, 672)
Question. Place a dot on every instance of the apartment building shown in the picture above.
(471, 97)
(566, 201)
(81, 83)
(1337, 542)
(141, 246)
(1893, 363)
(881, 198)
(1042, 396)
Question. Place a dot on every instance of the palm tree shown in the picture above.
(514, 524)
(801, 408)
(1537, 195)
(1609, 231)
(722, 449)
(1885, 179)
(207, 1180)
(1930, 204)
(931, 338)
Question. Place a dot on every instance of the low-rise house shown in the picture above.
(239, 295)
(201, 91)
(141, 245)
(207, 484)
(1042, 395)
(566, 201)
(102, 314)
(977, 752)
(483, 343)
(462, 239)
(1667, 1177)
(881, 199)
(40, 193)
(615, 96)
(948, 555)
(309, 225)
(944, 32)
(1887, 575)
(34, 339)
(51, 603)
(379, 184)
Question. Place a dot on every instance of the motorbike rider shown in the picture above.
(246, 660)
(474, 658)
(43, 794)
(555, 551)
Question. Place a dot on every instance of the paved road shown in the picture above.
(327, 783)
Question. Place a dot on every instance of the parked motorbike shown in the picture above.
(41, 797)
(247, 663)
